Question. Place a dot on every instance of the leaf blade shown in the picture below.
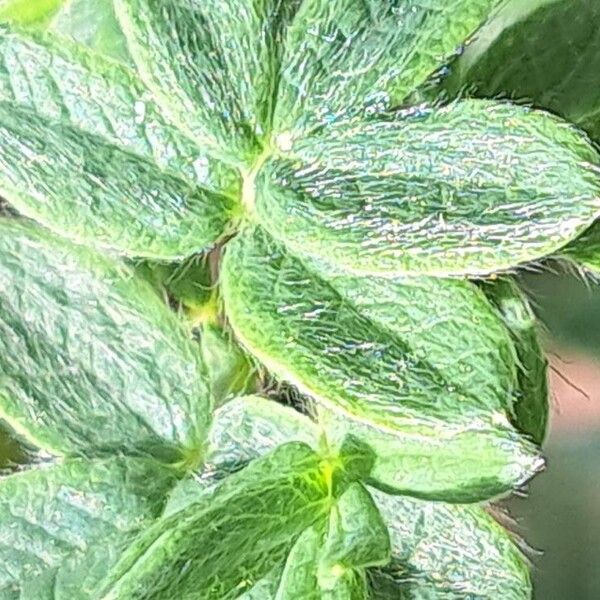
(345, 56)
(86, 152)
(370, 380)
(92, 360)
(441, 191)
(54, 512)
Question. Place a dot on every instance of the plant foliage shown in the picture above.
(220, 198)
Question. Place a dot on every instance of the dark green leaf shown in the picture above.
(545, 52)
(84, 150)
(54, 512)
(585, 250)
(91, 359)
(210, 64)
(531, 407)
(471, 188)
(218, 547)
(432, 437)
(345, 57)
(448, 551)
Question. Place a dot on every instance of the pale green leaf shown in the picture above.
(94, 24)
(84, 150)
(210, 64)
(432, 438)
(220, 546)
(449, 552)
(471, 188)
(543, 52)
(531, 407)
(91, 359)
(57, 511)
(28, 12)
(344, 57)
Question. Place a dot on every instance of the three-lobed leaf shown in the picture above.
(91, 359)
(432, 437)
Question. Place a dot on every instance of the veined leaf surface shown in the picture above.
(210, 64)
(467, 189)
(447, 551)
(344, 57)
(91, 359)
(53, 512)
(434, 438)
(232, 538)
(84, 150)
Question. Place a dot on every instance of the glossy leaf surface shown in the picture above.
(344, 57)
(53, 512)
(432, 437)
(468, 189)
(91, 360)
(84, 150)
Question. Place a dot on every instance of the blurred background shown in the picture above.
(560, 516)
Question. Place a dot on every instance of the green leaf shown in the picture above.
(219, 547)
(344, 57)
(585, 250)
(57, 511)
(84, 150)
(544, 52)
(91, 360)
(187, 282)
(532, 405)
(209, 62)
(447, 551)
(228, 369)
(332, 564)
(94, 24)
(471, 188)
(250, 426)
(432, 438)
(28, 12)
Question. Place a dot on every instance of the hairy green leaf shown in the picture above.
(544, 52)
(187, 282)
(53, 512)
(28, 12)
(344, 57)
(531, 407)
(331, 564)
(210, 64)
(84, 150)
(218, 547)
(91, 360)
(471, 188)
(229, 371)
(447, 551)
(432, 437)
(585, 250)
(94, 24)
